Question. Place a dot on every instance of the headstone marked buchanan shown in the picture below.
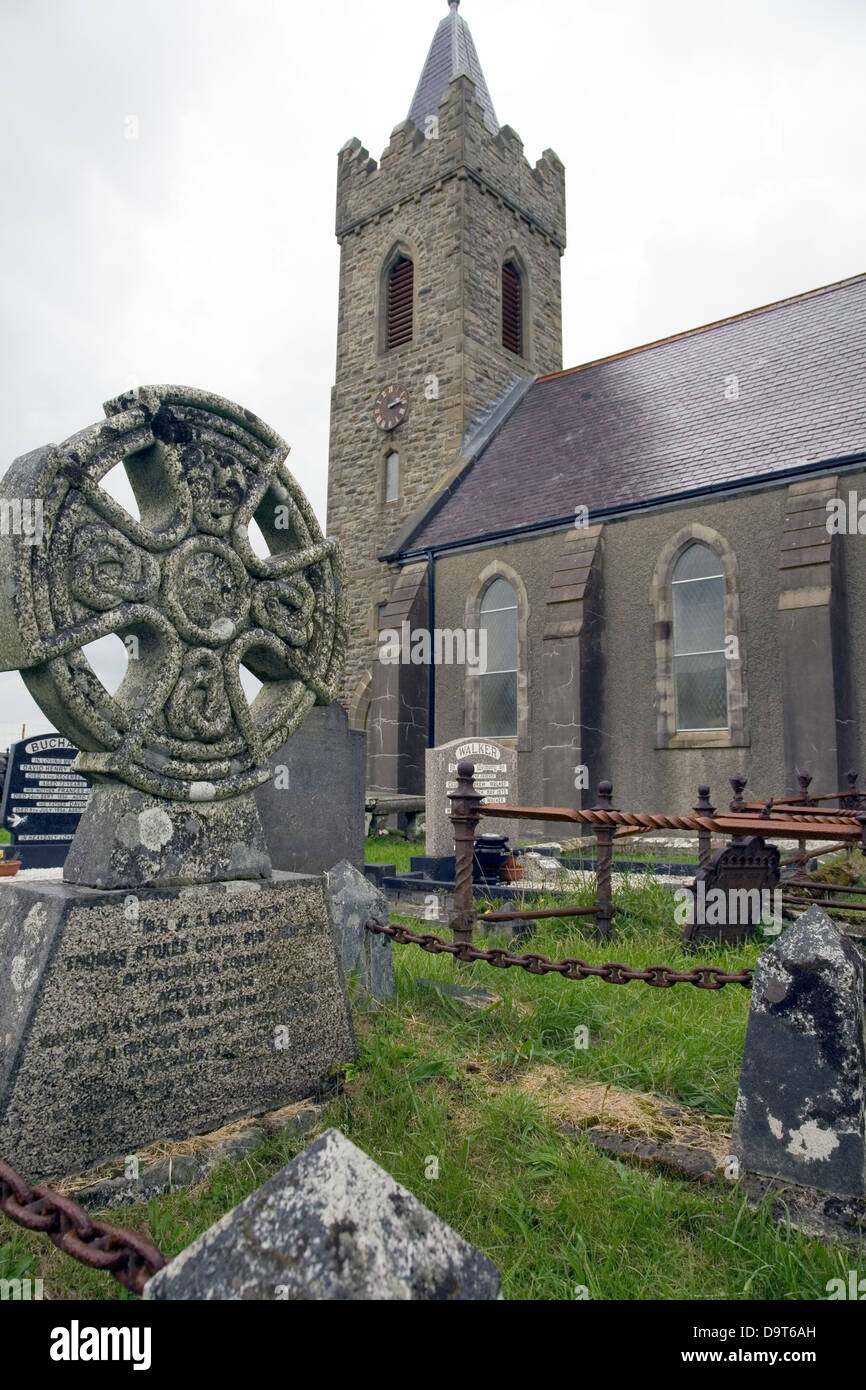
(43, 799)
(172, 982)
(495, 778)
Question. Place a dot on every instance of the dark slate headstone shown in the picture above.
(43, 799)
(332, 1225)
(312, 809)
(801, 1108)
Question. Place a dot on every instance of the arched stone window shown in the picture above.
(700, 669)
(498, 643)
(391, 478)
(497, 687)
(700, 693)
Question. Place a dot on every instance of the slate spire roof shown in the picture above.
(451, 51)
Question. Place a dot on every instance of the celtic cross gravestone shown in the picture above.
(173, 980)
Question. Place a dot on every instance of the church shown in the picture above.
(648, 568)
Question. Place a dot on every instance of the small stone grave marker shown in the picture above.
(332, 1225)
(801, 1108)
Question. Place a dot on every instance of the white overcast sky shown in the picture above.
(714, 156)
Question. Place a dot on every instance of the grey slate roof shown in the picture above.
(451, 51)
(655, 422)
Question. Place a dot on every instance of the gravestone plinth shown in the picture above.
(495, 779)
(129, 840)
(128, 1020)
(331, 1226)
(801, 1108)
(172, 982)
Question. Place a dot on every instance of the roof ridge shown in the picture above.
(706, 327)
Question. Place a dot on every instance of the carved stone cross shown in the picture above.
(177, 743)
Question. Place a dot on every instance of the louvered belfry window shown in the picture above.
(512, 309)
(401, 287)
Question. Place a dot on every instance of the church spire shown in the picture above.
(451, 51)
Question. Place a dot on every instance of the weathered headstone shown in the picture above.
(332, 1225)
(353, 901)
(495, 779)
(172, 981)
(312, 808)
(43, 799)
(733, 892)
(801, 1108)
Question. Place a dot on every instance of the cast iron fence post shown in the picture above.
(804, 778)
(465, 815)
(703, 808)
(604, 869)
(851, 799)
(851, 802)
(738, 805)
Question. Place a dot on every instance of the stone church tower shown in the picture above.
(449, 292)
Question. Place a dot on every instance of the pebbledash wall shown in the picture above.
(458, 205)
(802, 638)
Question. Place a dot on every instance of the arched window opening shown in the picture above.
(700, 666)
(400, 303)
(512, 308)
(392, 476)
(498, 678)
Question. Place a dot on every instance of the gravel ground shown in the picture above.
(32, 873)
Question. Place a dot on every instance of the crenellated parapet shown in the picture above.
(456, 144)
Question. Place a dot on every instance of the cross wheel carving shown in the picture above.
(182, 587)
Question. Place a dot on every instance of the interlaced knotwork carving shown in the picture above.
(182, 586)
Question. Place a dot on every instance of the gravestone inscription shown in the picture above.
(43, 799)
(495, 778)
(135, 1020)
(172, 981)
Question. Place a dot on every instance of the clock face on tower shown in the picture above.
(391, 407)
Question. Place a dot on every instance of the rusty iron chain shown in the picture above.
(126, 1256)
(612, 972)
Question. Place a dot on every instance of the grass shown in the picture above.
(443, 1087)
(392, 848)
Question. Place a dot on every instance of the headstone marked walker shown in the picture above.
(173, 981)
(495, 778)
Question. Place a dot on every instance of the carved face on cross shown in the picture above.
(182, 587)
